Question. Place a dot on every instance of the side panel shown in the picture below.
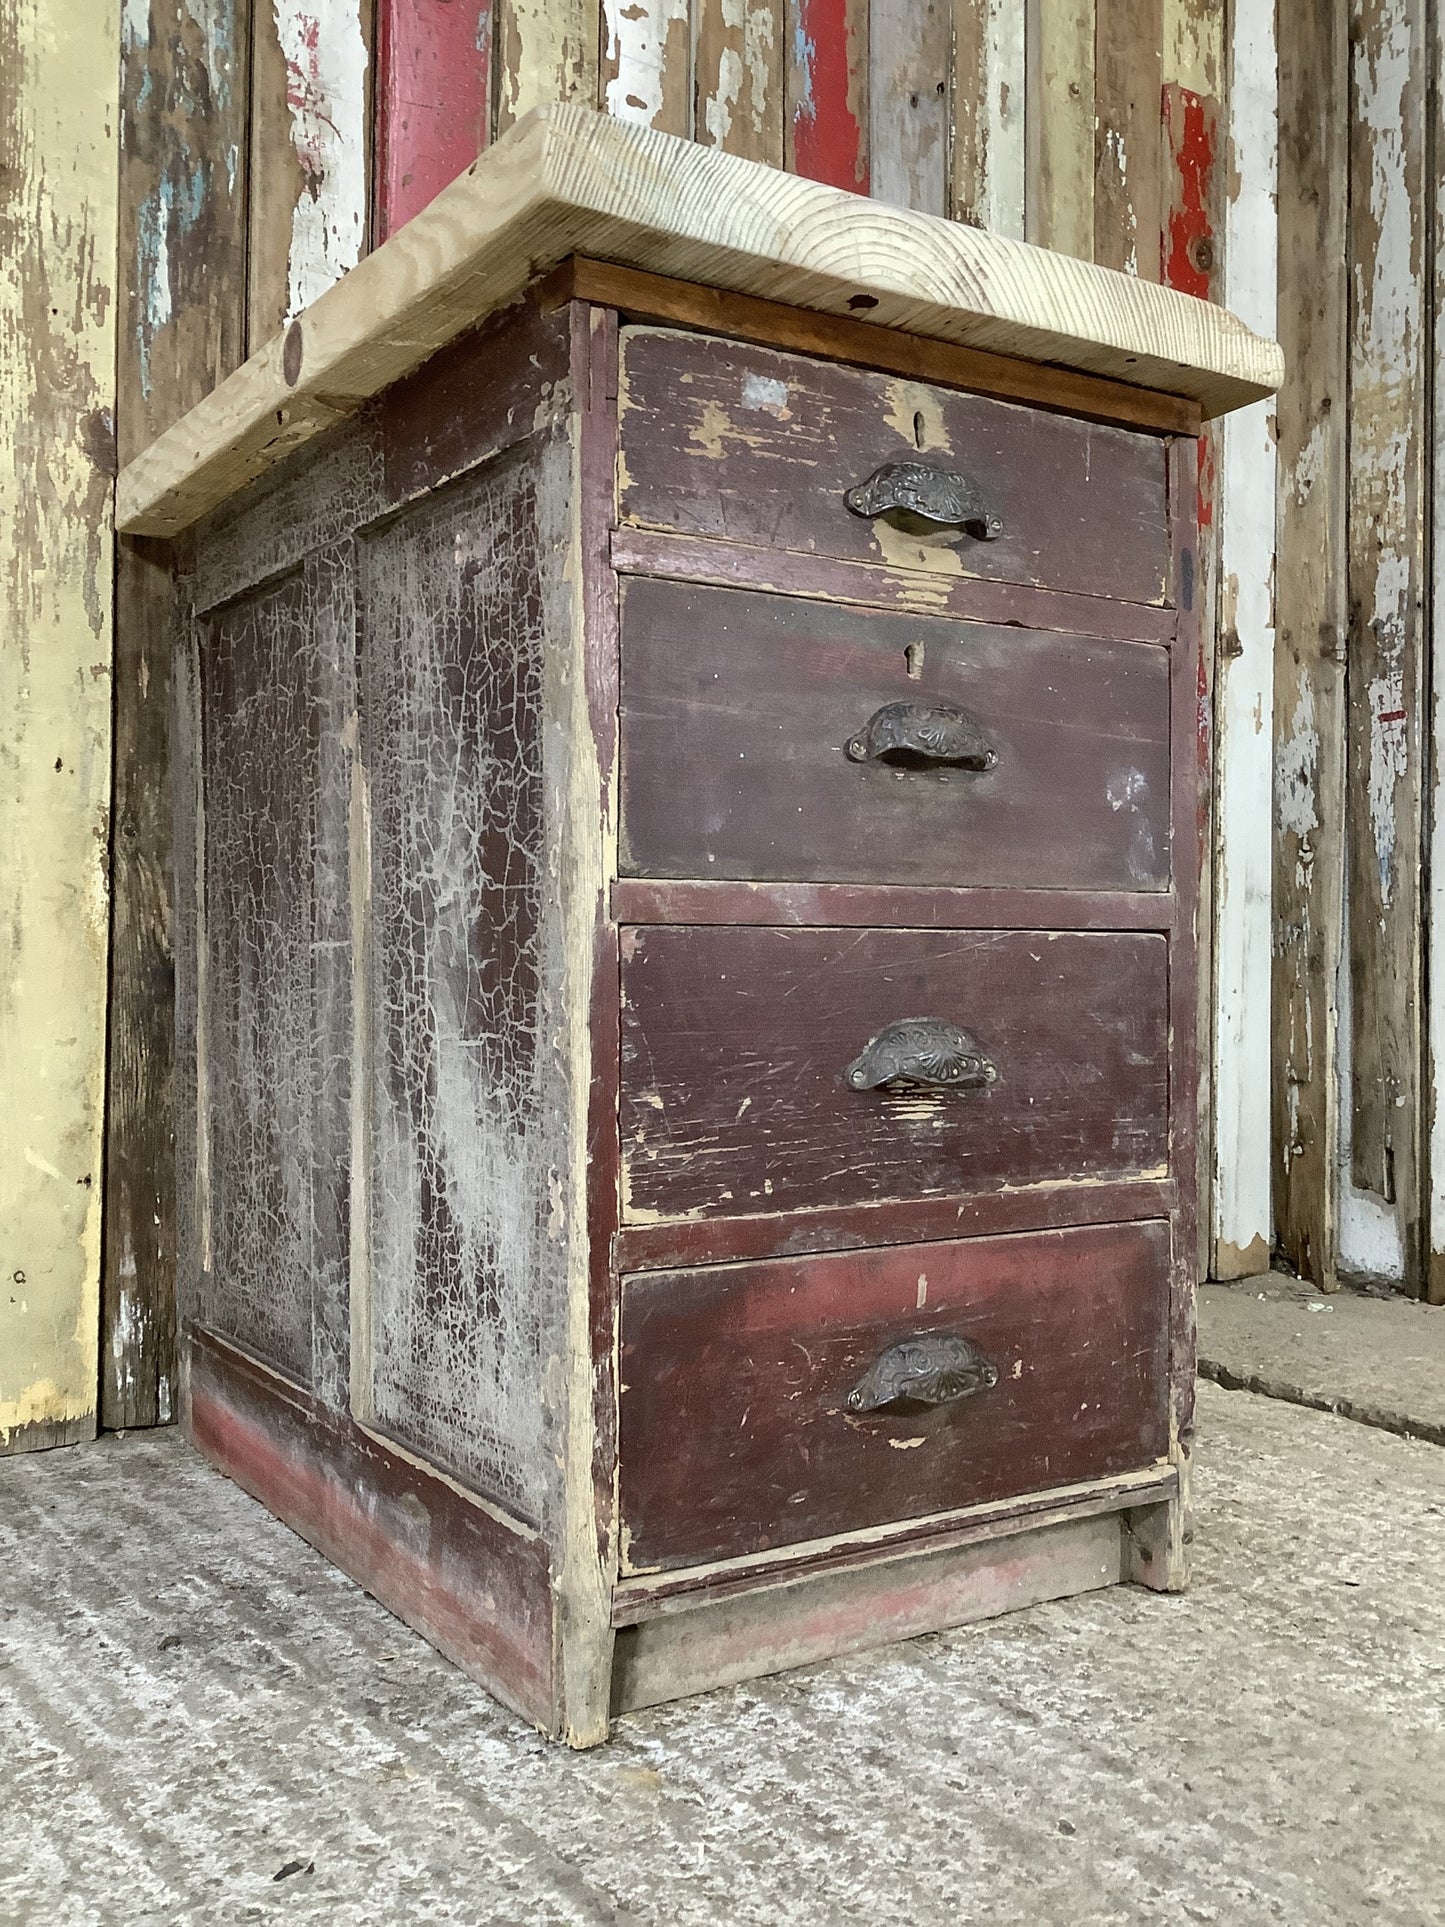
(275, 1027)
(463, 1133)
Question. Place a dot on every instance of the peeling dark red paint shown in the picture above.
(1190, 245)
(434, 60)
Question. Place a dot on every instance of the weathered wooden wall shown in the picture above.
(57, 456)
(1359, 1152)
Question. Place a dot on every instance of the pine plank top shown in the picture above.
(566, 180)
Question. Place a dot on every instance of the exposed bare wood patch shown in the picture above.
(1128, 75)
(908, 81)
(1059, 125)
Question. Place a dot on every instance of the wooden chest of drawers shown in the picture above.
(689, 972)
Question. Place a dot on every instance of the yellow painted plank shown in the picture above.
(58, 109)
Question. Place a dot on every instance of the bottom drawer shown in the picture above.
(737, 1432)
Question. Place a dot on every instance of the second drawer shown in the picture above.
(747, 750)
(737, 1043)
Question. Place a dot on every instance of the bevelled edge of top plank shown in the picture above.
(567, 180)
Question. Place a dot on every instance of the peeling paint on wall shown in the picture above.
(57, 355)
(326, 64)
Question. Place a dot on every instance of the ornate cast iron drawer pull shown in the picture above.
(933, 1370)
(922, 1052)
(939, 495)
(922, 733)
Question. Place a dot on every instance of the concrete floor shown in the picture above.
(1379, 1358)
(204, 1723)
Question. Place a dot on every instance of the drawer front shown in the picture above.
(739, 709)
(736, 1432)
(735, 1044)
(752, 445)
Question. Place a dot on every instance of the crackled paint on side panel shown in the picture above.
(433, 100)
(58, 140)
(1244, 684)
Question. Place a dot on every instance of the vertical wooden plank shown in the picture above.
(1434, 1268)
(58, 167)
(827, 92)
(1059, 126)
(910, 54)
(546, 50)
(1191, 260)
(647, 63)
(433, 100)
(740, 78)
(310, 153)
(1386, 668)
(180, 329)
(1312, 618)
(1244, 684)
(1128, 78)
(989, 88)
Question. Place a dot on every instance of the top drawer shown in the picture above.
(752, 445)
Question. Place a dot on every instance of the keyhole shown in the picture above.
(913, 660)
(918, 429)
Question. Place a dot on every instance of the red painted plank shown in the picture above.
(1190, 245)
(827, 92)
(433, 100)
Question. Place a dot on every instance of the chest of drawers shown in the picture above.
(690, 820)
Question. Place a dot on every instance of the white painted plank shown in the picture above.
(326, 98)
(1435, 903)
(647, 62)
(997, 199)
(1244, 687)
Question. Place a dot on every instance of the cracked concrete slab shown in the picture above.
(204, 1723)
(1380, 1360)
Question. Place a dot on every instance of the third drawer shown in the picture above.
(737, 1044)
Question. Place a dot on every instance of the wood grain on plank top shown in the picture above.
(567, 180)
